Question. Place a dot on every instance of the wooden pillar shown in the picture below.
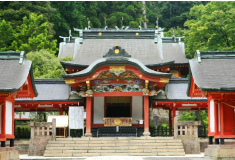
(170, 121)
(4, 119)
(146, 116)
(88, 117)
(221, 119)
(61, 111)
(174, 114)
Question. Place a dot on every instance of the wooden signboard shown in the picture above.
(76, 117)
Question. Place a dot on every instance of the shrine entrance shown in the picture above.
(118, 107)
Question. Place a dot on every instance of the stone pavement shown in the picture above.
(186, 157)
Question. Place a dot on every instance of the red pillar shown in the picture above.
(88, 117)
(174, 114)
(4, 119)
(170, 120)
(221, 119)
(61, 111)
(146, 116)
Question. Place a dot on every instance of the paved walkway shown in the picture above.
(186, 157)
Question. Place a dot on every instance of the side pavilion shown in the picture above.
(16, 81)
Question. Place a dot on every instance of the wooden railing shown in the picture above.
(117, 121)
(43, 129)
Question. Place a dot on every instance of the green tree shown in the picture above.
(68, 15)
(46, 65)
(32, 35)
(171, 13)
(15, 11)
(7, 35)
(212, 27)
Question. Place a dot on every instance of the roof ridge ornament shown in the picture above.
(116, 51)
(198, 55)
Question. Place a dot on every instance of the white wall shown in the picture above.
(98, 110)
(8, 117)
(137, 109)
(0, 119)
(212, 116)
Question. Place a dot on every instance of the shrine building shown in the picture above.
(122, 73)
(119, 75)
(16, 81)
(212, 76)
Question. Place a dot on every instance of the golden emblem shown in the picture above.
(117, 122)
(137, 34)
(116, 51)
(100, 34)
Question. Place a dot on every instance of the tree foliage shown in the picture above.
(31, 35)
(46, 65)
(212, 27)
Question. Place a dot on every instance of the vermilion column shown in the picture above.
(146, 116)
(221, 119)
(174, 114)
(61, 111)
(88, 117)
(170, 121)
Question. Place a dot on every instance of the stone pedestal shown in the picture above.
(37, 145)
(191, 145)
(220, 151)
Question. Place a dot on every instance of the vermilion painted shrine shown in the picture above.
(117, 75)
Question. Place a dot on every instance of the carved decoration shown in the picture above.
(106, 75)
(117, 70)
(117, 88)
(70, 81)
(128, 75)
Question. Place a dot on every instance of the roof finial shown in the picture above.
(116, 44)
(89, 23)
(105, 26)
(122, 23)
(157, 23)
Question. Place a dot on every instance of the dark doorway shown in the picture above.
(118, 107)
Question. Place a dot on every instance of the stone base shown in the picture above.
(9, 153)
(220, 151)
(146, 134)
(88, 134)
(191, 145)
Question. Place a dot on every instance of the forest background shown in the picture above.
(35, 26)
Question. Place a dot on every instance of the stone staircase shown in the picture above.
(114, 146)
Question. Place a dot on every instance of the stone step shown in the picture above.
(111, 146)
(171, 153)
(114, 138)
(149, 146)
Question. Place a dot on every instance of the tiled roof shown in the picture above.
(145, 50)
(50, 90)
(13, 75)
(214, 74)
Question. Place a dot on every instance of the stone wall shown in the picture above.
(9, 153)
(220, 151)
